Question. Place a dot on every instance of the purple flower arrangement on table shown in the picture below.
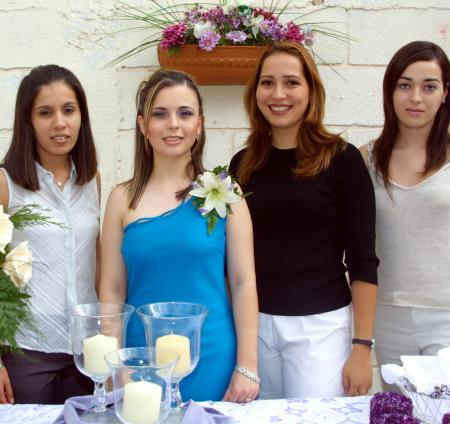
(395, 408)
(391, 408)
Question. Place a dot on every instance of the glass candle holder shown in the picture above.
(141, 380)
(175, 326)
(96, 329)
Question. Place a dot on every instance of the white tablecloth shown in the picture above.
(291, 411)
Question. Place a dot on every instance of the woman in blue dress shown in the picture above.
(156, 246)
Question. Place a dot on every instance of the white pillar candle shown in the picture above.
(95, 348)
(141, 402)
(177, 344)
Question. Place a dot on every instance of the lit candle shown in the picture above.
(177, 344)
(95, 348)
(141, 402)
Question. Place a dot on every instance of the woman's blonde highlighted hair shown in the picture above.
(143, 154)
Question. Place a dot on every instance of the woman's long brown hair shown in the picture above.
(439, 138)
(315, 145)
(22, 153)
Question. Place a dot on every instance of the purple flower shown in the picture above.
(223, 175)
(208, 40)
(203, 211)
(192, 16)
(236, 22)
(173, 35)
(446, 418)
(236, 36)
(293, 32)
(384, 405)
(393, 418)
(215, 15)
(271, 29)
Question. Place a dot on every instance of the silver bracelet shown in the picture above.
(247, 373)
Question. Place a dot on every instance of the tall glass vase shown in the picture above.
(175, 326)
(96, 329)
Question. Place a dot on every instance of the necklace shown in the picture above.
(61, 184)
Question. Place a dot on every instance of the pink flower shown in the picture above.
(293, 33)
(173, 35)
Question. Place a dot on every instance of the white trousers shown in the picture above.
(303, 356)
(402, 330)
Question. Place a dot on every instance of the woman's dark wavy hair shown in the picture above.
(143, 153)
(22, 153)
(439, 138)
(315, 145)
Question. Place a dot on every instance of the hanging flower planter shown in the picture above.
(225, 65)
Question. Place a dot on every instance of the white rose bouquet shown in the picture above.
(15, 272)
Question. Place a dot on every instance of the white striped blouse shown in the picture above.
(64, 260)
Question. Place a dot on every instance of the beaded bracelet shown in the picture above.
(247, 373)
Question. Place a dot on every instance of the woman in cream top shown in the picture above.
(409, 166)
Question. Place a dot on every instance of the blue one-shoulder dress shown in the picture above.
(171, 257)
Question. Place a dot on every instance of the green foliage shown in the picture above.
(212, 219)
(14, 301)
(14, 311)
(30, 215)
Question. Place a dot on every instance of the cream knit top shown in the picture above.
(413, 241)
(63, 269)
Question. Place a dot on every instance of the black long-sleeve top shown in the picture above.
(303, 228)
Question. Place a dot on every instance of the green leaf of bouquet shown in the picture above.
(212, 218)
(219, 169)
(245, 10)
(198, 202)
(14, 311)
(31, 215)
(173, 50)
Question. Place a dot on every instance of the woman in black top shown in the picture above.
(312, 204)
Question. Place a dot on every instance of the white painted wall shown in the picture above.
(68, 33)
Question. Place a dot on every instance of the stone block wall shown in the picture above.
(71, 33)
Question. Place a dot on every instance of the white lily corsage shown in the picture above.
(214, 192)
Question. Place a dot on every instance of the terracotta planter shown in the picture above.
(225, 65)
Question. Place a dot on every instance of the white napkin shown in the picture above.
(424, 372)
(443, 357)
(391, 373)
